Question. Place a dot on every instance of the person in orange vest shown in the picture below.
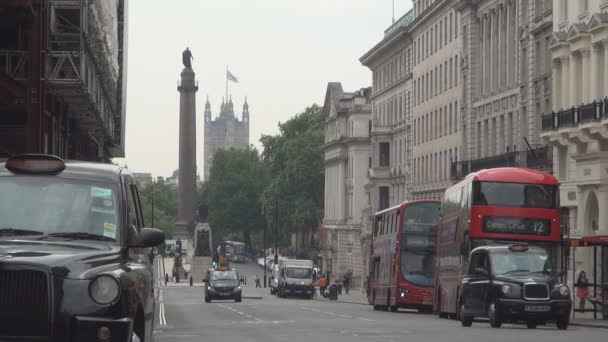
(322, 284)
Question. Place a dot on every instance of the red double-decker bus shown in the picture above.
(493, 207)
(402, 258)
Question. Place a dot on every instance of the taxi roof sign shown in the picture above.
(35, 164)
(518, 248)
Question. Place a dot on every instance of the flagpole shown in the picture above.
(226, 84)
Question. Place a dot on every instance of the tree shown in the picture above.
(237, 179)
(295, 160)
(165, 205)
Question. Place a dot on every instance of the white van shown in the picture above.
(295, 278)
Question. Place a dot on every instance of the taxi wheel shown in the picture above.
(237, 300)
(465, 320)
(531, 324)
(207, 300)
(493, 316)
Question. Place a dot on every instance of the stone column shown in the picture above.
(602, 201)
(556, 87)
(574, 84)
(341, 189)
(490, 52)
(565, 87)
(187, 154)
(585, 78)
(595, 73)
(480, 55)
(499, 47)
(507, 47)
(605, 90)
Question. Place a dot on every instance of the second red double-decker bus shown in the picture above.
(493, 207)
(402, 264)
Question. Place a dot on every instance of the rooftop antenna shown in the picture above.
(393, 11)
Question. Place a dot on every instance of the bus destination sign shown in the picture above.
(516, 225)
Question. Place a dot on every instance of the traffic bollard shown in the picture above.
(191, 281)
(166, 279)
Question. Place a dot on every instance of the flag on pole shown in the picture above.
(231, 77)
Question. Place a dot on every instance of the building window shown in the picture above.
(385, 152)
(584, 6)
(384, 197)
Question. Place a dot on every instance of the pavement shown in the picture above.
(182, 315)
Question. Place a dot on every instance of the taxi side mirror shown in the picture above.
(148, 237)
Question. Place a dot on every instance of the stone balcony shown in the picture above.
(578, 125)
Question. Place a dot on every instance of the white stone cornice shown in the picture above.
(600, 133)
(579, 137)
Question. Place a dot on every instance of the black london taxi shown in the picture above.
(73, 265)
(222, 283)
(511, 284)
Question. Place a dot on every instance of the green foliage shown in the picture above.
(295, 160)
(237, 179)
(244, 187)
(165, 205)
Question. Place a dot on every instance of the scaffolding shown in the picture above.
(84, 66)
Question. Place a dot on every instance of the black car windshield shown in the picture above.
(298, 273)
(531, 261)
(52, 205)
(224, 275)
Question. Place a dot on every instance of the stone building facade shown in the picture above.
(225, 132)
(577, 127)
(391, 64)
(505, 67)
(347, 153)
(437, 89)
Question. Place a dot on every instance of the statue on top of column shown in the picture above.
(187, 58)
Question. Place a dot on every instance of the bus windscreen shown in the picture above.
(418, 249)
(516, 195)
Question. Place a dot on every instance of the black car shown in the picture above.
(222, 284)
(511, 284)
(73, 261)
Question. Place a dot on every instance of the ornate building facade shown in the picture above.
(505, 68)
(224, 132)
(577, 127)
(347, 196)
(437, 84)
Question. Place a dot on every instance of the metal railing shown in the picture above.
(538, 158)
(572, 117)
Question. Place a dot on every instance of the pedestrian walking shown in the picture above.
(347, 280)
(322, 285)
(582, 289)
(257, 281)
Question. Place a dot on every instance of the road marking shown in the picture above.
(367, 319)
(345, 316)
(161, 310)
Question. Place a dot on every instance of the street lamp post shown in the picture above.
(264, 255)
(276, 231)
(152, 203)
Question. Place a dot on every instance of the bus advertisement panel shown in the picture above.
(402, 263)
(493, 207)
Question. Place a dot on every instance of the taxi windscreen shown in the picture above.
(51, 205)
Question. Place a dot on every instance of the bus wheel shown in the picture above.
(493, 316)
(465, 320)
(394, 308)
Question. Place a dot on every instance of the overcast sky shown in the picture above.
(284, 52)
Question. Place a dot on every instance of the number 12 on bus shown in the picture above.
(402, 259)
